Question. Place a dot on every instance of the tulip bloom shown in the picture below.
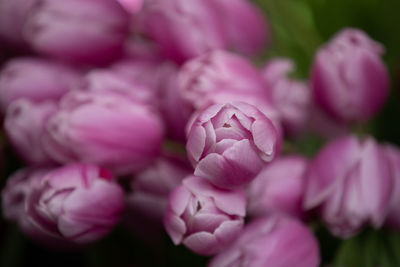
(279, 188)
(186, 29)
(132, 6)
(88, 32)
(106, 128)
(350, 184)
(229, 143)
(393, 218)
(349, 79)
(77, 202)
(202, 217)
(291, 97)
(274, 242)
(25, 125)
(35, 79)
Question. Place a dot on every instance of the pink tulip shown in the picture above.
(186, 29)
(291, 97)
(88, 32)
(132, 6)
(349, 79)
(106, 128)
(35, 79)
(279, 188)
(350, 184)
(77, 202)
(229, 143)
(25, 125)
(274, 242)
(202, 217)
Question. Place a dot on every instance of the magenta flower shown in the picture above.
(89, 32)
(186, 29)
(25, 126)
(274, 242)
(77, 202)
(279, 188)
(350, 184)
(35, 79)
(202, 217)
(132, 6)
(228, 144)
(106, 128)
(291, 97)
(393, 218)
(349, 79)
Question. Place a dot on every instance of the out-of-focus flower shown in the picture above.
(89, 32)
(151, 187)
(25, 125)
(274, 242)
(14, 197)
(350, 184)
(229, 143)
(393, 218)
(77, 202)
(349, 79)
(106, 128)
(291, 97)
(202, 77)
(202, 217)
(12, 18)
(186, 29)
(132, 6)
(35, 79)
(279, 188)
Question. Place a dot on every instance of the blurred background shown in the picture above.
(298, 28)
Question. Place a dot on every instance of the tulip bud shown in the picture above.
(393, 218)
(291, 97)
(106, 128)
(228, 144)
(202, 217)
(12, 18)
(350, 184)
(25, 125)
(186, 29)
(202, 77)
(35, 79)
(151, 187)
(77, 202)
(279, 188)
(274, 242)
(349, 79)
(88, 32)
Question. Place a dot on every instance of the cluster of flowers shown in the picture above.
(115, 89)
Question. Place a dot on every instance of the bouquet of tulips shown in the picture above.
(142, 125)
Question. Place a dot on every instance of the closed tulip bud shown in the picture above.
(87, 32)
(151, 187)
(202, 77)
(274, 242)
(202, 217)
(393, 218)
(279, 188)
(132, 6)
(25, 125)
(188, 29)
(291, 97)
(77, 202)
(35, 79)
(349, 79)
(12, 18)
(105, 128)
(350, 184)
